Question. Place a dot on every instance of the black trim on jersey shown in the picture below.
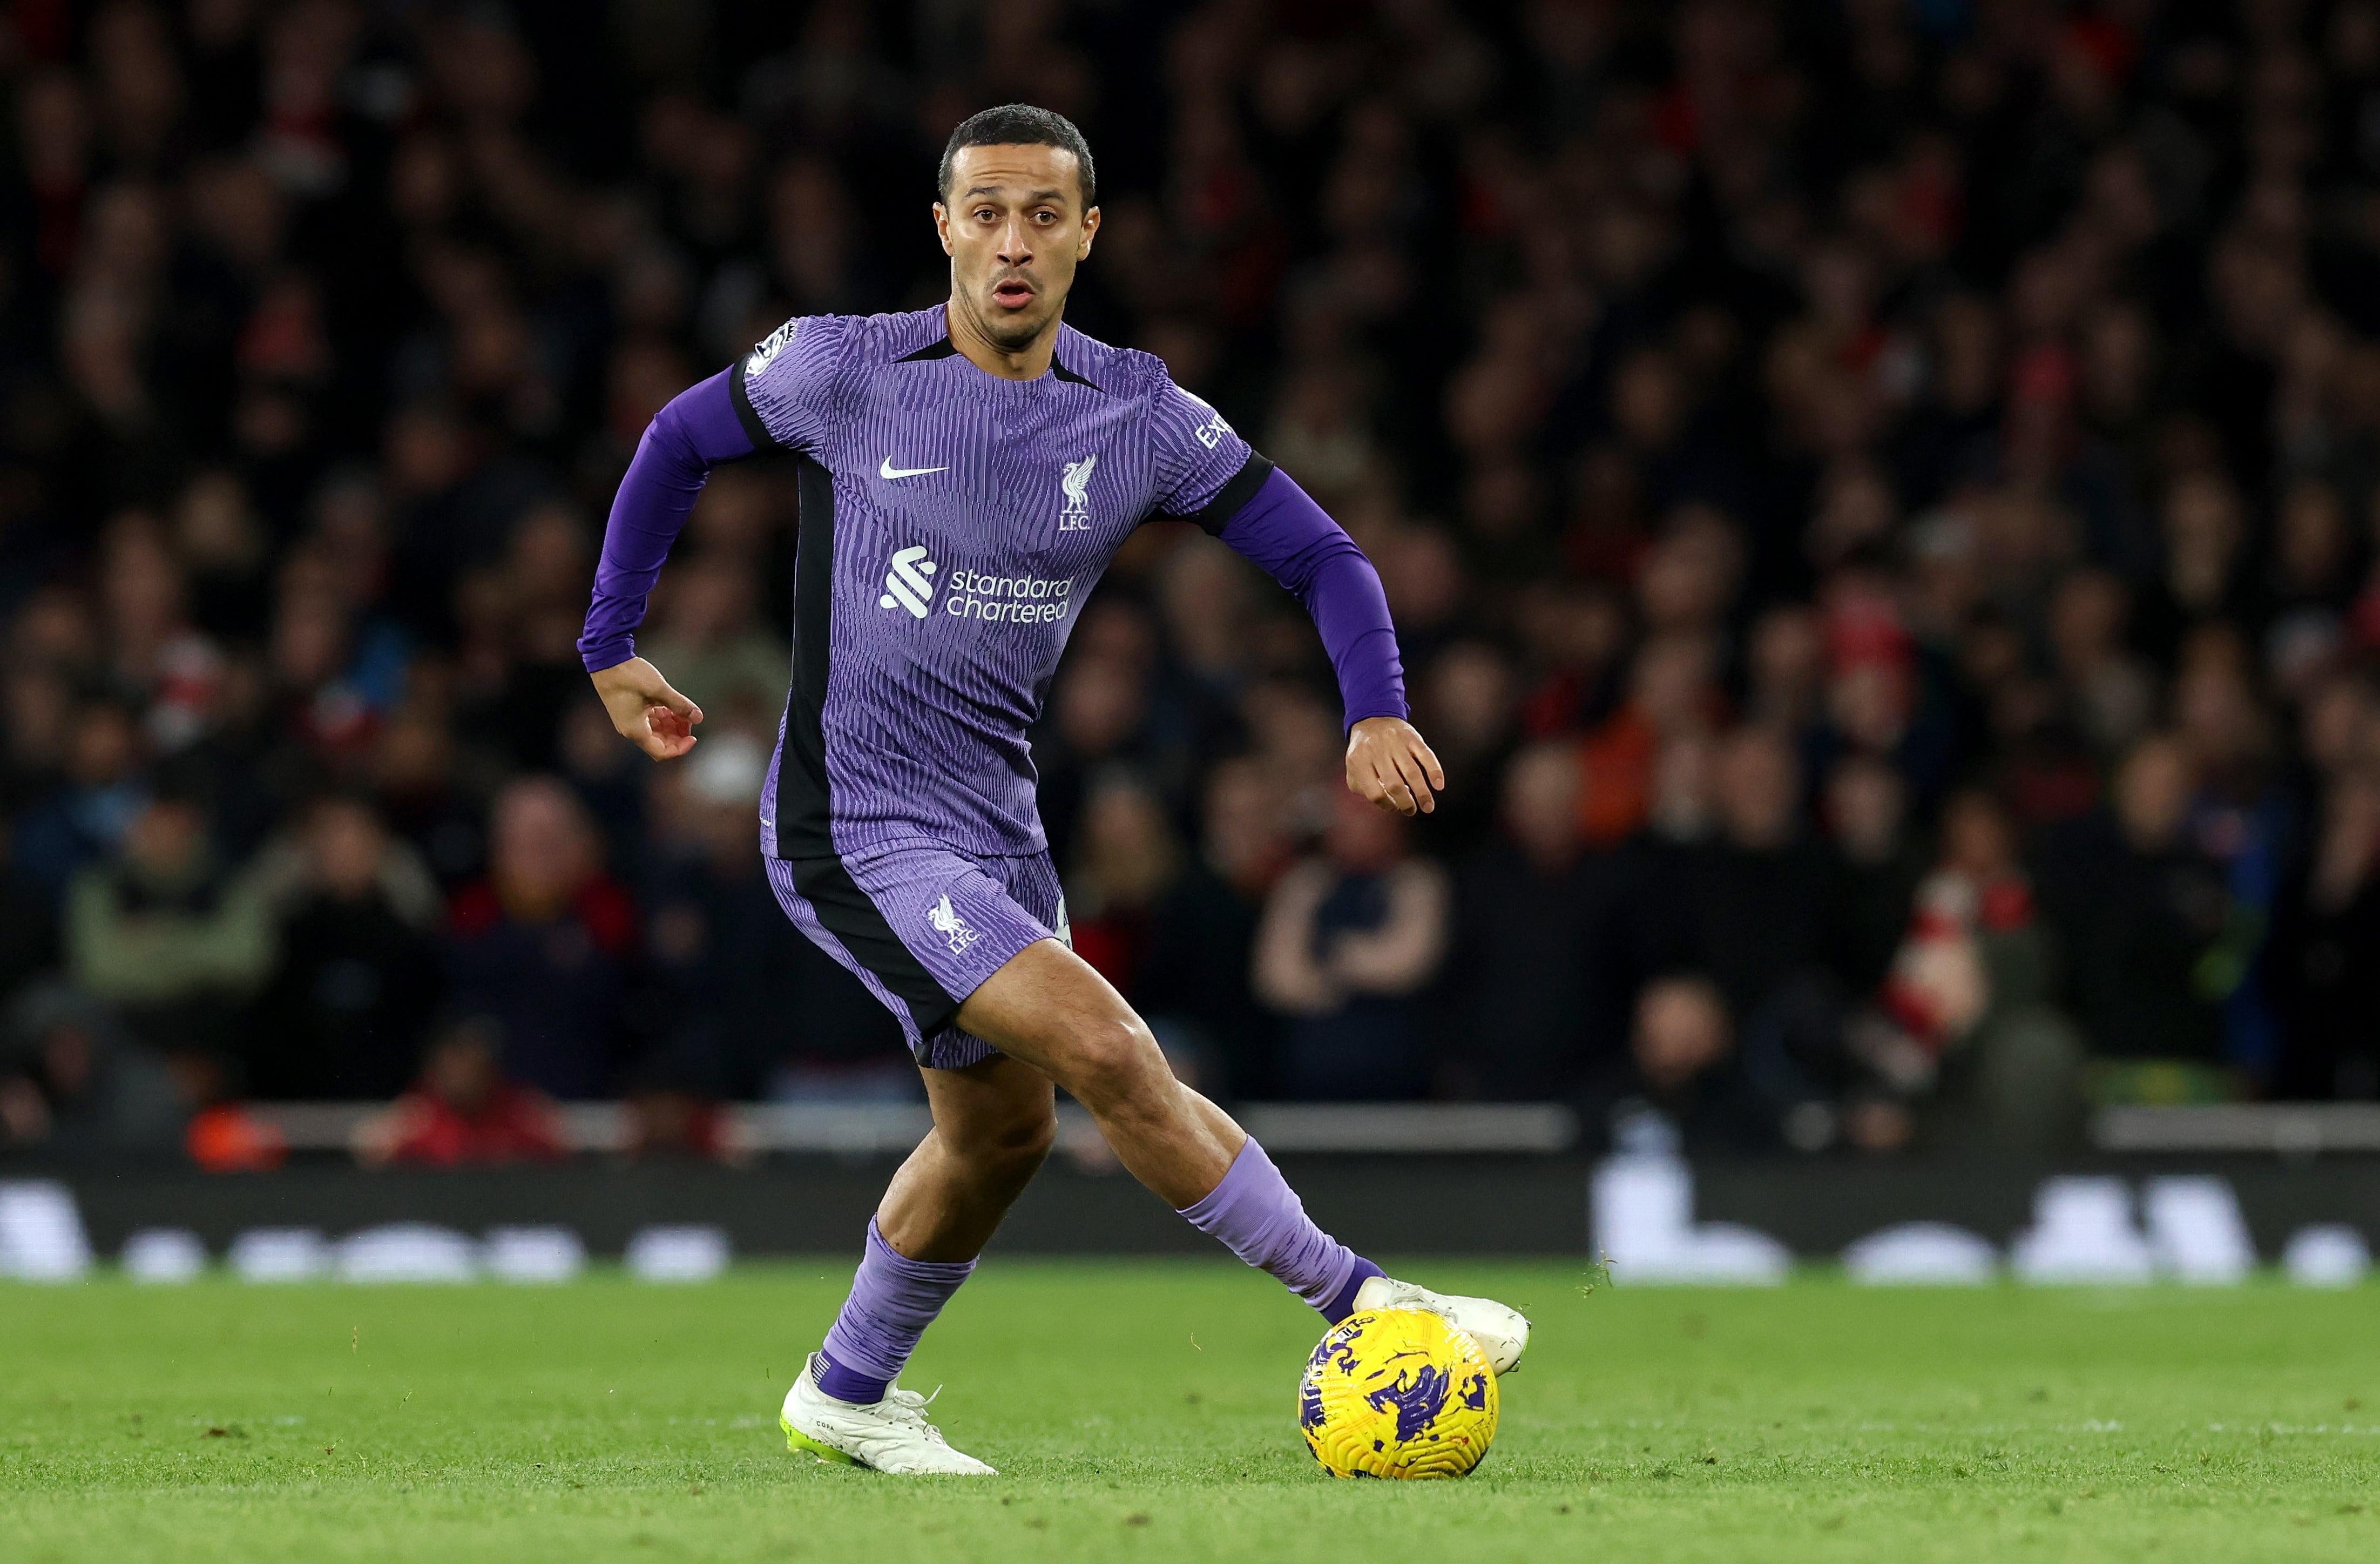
(804, 837)
(749, 416)
(801, 764)
(1234, 496)
(1063, 373)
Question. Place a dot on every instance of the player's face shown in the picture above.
(1013, 226)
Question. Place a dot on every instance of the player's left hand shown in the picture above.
(1388, 763)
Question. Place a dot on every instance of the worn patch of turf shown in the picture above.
(1144, 1411)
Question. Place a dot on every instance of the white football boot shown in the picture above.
(1502, 1332)
(891, 1436)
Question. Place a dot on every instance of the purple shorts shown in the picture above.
(923, 926)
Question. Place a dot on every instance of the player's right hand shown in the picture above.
(649, 713)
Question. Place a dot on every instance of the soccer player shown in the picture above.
(966, 473)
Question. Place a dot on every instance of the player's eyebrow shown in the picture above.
(995, 190)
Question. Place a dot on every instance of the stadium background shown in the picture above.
(1878, 501)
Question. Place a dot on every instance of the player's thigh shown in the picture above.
(1053, 1010)
(1002, 1106)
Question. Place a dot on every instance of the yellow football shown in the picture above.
(1397, 1393)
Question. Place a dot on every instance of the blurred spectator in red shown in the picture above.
(670, 1121)
(227, 1138)
(1672, 697)
(358, 976)
(1099, 719)
(1348, 941)
(324, 709)
(1126, 862)
(463, 1111)
(1530, 1007)
(1965, 1013)
(155, 651)
(225, 1135)
(545, 944)
(1576, 636)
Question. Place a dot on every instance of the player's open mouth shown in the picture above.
(1014, 292)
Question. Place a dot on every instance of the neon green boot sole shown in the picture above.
(798, 1442)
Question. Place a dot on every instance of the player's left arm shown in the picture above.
(1283, 530)
(1208, 474)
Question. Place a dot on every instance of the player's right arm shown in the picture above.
(696, 432)
(767, 397)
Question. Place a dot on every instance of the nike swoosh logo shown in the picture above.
(889, 470)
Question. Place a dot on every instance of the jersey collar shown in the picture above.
(943, 347)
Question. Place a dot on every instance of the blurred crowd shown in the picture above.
(1880, 500)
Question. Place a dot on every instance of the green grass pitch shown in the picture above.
(1144, 1411)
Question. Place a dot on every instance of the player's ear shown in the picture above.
(1090, 232)
(943, 226)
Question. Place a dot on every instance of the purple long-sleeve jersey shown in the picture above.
(952, 525)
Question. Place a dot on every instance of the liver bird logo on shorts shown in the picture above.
(1076, 517)
(950, 926)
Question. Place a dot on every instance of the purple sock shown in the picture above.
(892, 1300)
(1259, 1218)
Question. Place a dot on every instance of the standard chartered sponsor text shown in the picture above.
(1019, 600)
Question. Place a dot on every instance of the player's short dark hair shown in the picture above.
(1019, 125)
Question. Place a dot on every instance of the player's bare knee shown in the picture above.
(1114, 1062)
(1008, 1148)
(1024, 1144)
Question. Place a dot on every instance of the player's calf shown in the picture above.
(1051, 1009)
(994, 1123)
